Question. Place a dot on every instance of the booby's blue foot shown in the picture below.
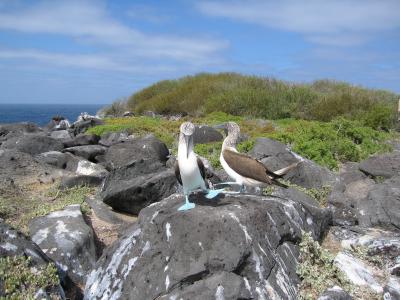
(188, 205)
(213, 193)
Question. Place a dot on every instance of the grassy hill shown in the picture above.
(267, 98)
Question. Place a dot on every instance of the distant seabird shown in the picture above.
(189, 169)
(245, 170)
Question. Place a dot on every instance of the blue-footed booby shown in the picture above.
(189, 169)
(245, 170)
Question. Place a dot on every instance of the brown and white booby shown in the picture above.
(245, 170)
(189, 169)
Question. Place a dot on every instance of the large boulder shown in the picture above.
(111, 138)
(66, 161)
(233, 247)
(33, 144)
(131, 188)
(16, 129)
(148, 147)
(206, 134)
(67, 239)
(382, 206)
(88, 152)
(60, 134)
(81, 140)
(384, 165)
(352, 187)
(14, 243)
(82, 125)
(276, 155)
(22, 168)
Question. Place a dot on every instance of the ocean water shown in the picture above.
(41, 114)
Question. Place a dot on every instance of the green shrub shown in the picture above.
(251, 96)
(21, 281)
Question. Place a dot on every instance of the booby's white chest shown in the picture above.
(190, 173)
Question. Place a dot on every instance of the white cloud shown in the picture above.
(336, 22)
(89, 22)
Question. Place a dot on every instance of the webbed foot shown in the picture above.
(213, 193)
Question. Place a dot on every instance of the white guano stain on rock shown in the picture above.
(168, 231)
(8, 246)
(309, 220)
(244, 229)
(154, 216)
(167, 282)
(41, 235)
(247, 285)
(260, 293)
(107, 284)
(219, 294)
(357, 272)
(201, 246)
(66, 212)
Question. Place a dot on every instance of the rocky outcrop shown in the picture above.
(382, 205)
(131, 188)
(81, 140)
(65, 238)
(276, 155)
(123, 154)
(88, 152)
(33, 144)
(228, 248)
(8, 131)
(205, 134)
(82, 125)
(14, 243)
(111, 138)
(385, 165)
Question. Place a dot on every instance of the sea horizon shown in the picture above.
(41, 113)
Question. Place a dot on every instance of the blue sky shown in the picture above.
(99, 51)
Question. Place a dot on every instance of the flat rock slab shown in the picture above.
(33, 144)
(88, 152)
(385, 165)
(357, 272)
(68, 240)
(205, 134)
(15, 243)
(123, 154)
(382, 205)
(228, 248)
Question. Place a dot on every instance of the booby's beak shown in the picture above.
(187, 138)
(221, 126)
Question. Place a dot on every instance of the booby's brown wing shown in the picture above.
(199, 164)
(246, 166)
(201, 168)
(177, 173)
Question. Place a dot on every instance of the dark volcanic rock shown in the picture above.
(353, 187)
(385, 165)
(79, 180)
(87, 151)
(123, 154)
(22, 168)
(234, 247)
(382, 206)
(392, 289)
(33, 144)
(81, 140)
(335, 293)
(14, 243)
(65, 237)
(60, 134)
(206, 134)
(111, 138)
(137, 185)
(276, 155)
(13, 130)
(65, 161)
(82, 126)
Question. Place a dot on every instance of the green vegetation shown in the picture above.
(19, 209)
(268, 98)
(21, 281)
(327, 143)
(317, 270)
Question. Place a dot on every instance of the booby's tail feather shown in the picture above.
(285, 170)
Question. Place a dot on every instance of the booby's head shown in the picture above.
(186, 136)
(233, 133)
